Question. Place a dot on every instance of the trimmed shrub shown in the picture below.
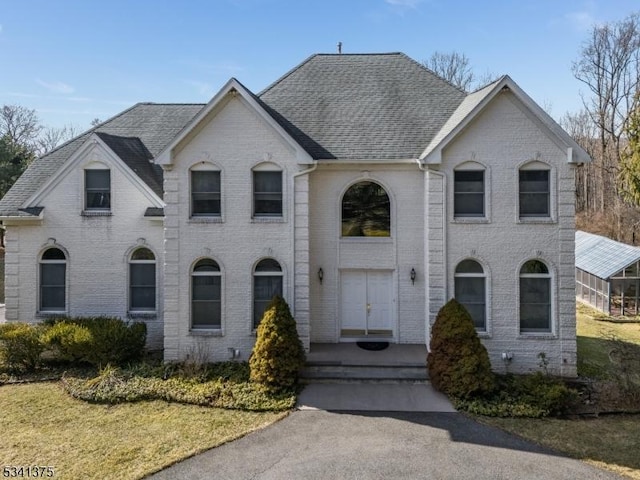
(69, 341)
(536, 395)
(278, 354)
(98, 340)
(21, 345)
(458, 363)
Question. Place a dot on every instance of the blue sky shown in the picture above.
(75, 60)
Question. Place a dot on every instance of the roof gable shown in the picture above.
(363, 106)
(97, 149)
(153, 124)
(476, 102)
(232, 88)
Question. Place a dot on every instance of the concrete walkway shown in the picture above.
(374, 397)
(314, 444)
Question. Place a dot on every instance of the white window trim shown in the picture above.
(204, 166)
(205, 331)
(392, 213)
(40, 310)
(553, 189)
(97, 212)
(471, 165)
(133, 312)
(552, 332)
(485, 333)
(268, 167)
(254, 274)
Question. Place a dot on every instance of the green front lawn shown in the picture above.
(44, 426)
(608, 441)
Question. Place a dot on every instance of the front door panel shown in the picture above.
(366, 304)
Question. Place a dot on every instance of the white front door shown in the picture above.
(366, 304)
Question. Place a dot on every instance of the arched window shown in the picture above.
(53, 281)
(535, 298)
(470, 291)
(366, 211)
(142, 281)
(206, 295)
(267, 283)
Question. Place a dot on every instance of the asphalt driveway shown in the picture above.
(315, 444)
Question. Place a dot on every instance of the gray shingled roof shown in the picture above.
(145, 129)
(364, 106)
(602, 256)
(134, 153)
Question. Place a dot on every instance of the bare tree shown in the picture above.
(19, 124)
(609, 65)
(95, 122)
(51, 137)
(453, 67)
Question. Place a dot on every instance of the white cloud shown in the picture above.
(404, 3)
(0, 28)
(56, 87)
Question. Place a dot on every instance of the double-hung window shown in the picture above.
(206, 295)
(470, 291)
(535, 298)
(97, 184)
(267, 193)
(142, 281)
(267, 283)
(534, 193)
(205, 193)
(469, 192)
(53, 274)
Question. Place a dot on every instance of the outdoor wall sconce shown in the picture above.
(320, 275)
(413, 276)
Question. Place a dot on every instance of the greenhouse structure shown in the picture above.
(607, 274)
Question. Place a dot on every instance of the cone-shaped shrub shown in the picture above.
(278, 354)
(458, 363)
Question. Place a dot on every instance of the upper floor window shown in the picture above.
(267, 283)
(535, 298)
(267, 193)
(469, 192)
(534, 193)
(142, 280)
(470, 291)
(366, 211)
(97, 185)
(53, 272)
(205, 193)
(206, 295)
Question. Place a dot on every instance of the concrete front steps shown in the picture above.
(346, 361)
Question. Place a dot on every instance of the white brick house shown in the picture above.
(363, 188)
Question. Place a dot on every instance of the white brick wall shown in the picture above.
(97, 264)
(400, 253)
(502, 138)
(235, 140)
(424, 237)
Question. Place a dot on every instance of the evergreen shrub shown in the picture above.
(458, 363)
(20, 345)
(278, 354)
